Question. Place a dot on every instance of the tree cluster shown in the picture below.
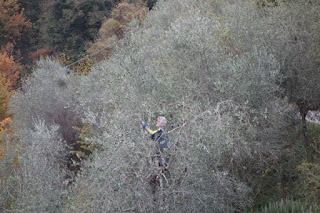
(65, 26)
(113, 28)
(222, 72)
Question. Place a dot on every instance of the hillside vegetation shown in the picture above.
(231, 77)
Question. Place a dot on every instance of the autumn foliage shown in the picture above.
(120, 16)
(42, 52)
(3, 130)
(10, 70)
(12, 21)
(83, 67)
(9, 74)
(113, 28)
(4, 96)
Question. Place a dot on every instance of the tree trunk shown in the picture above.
(303, 114)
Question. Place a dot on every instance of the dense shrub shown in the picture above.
(42, 174)
(204, 66)
(223, 109)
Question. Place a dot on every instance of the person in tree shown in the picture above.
(161, 139)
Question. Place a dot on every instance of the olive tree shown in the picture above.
(289, 31)
(42, 174)
(208, 68)
(47, 94)
(223, 110)
(43, 119)
(8, 167)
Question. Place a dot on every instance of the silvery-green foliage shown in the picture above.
(43, 114)
(300, 54)
(8, 181)
(222, 106)
(206, 66)
(289, 31)
(121, 177)
(42, 171)
(47, 94)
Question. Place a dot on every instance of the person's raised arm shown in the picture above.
(151, 132)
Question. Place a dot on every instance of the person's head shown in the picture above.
(161, 121)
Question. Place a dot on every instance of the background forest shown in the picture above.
(236, 80)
